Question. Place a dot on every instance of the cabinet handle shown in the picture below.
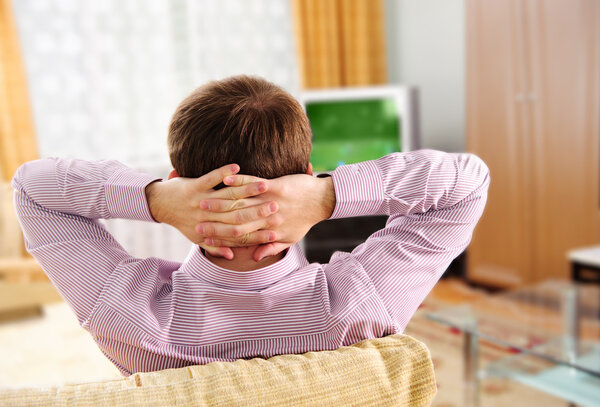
(520, 97)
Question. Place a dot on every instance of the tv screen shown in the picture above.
(350, 131)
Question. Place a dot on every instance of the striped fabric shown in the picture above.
(151, 314)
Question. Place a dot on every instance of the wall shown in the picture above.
(426, 48)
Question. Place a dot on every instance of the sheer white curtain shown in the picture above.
(105, 76)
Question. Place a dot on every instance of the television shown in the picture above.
(357, 124)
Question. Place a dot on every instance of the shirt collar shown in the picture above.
(198, 265)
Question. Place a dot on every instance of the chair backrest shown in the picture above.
(391, 371)
(10, 233)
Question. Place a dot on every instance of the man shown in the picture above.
(245, 290)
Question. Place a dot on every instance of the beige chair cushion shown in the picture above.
(391, 371)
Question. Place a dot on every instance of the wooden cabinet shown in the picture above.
(533, 104)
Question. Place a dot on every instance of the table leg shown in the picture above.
(570, 311)
(571, 326)
(471, 369)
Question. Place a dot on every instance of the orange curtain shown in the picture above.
(17, 145)
(17, 136)
(340, 42)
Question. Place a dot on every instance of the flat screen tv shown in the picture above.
(357, 124)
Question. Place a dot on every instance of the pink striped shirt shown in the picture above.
(151, 314)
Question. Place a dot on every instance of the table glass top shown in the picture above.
(557, 321)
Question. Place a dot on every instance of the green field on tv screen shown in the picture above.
(350, 131)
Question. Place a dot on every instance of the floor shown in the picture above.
(52, 349)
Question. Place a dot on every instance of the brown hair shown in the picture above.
(244, 120)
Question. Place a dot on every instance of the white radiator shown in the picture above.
(148, 239)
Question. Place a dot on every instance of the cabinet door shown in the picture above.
(563, 101)
(500, 252)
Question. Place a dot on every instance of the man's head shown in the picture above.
(244, 120)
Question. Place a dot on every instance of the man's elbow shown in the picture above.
(476, 169)
(32, 173)
(16, 182)
(22, 173)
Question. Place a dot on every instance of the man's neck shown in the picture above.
(242, 260)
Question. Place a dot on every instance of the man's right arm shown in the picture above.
(434, 201)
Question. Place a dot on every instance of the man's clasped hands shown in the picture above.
(249, 211)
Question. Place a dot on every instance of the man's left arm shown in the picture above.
(59, 201)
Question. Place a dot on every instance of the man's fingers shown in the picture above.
(244, 191)
(224, 252)
(223, 205)
(269, 249)
(215, 177)
(238, 180)
(228, 205)
(231, 214)
(250, 239)
(236, 233)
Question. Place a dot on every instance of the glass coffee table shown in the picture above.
(552, 330)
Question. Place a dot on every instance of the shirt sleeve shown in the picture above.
(58, 204)
(433, 199)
